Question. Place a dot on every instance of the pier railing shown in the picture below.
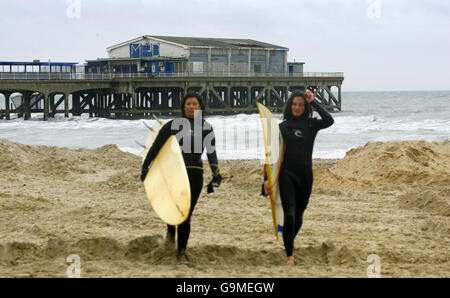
(110, 76)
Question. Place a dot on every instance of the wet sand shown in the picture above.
(388, 199)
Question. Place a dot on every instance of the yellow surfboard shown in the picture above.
(274, 146)
(167, 182)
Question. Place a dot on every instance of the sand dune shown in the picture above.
(389, 199)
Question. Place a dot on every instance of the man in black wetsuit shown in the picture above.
(299, 131)
(194, 134)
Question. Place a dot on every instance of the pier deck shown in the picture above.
(137, 95)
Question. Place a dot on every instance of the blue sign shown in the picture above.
(143, 50)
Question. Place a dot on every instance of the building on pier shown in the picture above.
(169, 54)
(36, 69)
(295, 67)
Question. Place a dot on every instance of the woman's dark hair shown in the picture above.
(288, 107)
(199, 99)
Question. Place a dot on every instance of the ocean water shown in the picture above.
(366, 117)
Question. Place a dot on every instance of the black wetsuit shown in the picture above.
(296, 174)
(193, 138)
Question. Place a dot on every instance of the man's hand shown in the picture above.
(309, 96)
(216, 180)
(267, 189)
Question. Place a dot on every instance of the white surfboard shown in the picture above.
(167, 183)
(274, 146)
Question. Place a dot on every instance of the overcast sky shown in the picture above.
(378, 44)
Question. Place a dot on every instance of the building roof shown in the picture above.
(207, 42)
(218, 42)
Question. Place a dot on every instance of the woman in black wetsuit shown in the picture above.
(295, 180)
(194, 134)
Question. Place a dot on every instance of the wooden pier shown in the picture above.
(135, 97)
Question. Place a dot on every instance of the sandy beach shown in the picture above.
(388, 199)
